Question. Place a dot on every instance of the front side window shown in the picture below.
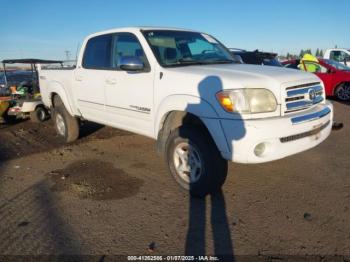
(97, 53)
(126, 44)
(314, 67)
(180, 48)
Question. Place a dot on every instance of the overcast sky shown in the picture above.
(47, 28)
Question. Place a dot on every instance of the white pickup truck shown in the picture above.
(341, 55)
(184, 89)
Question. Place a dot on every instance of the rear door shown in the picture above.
(90, 78)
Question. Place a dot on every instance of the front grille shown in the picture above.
(303, 96)
(305, 134)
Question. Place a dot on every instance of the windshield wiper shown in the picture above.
(223, 61)
(185, 62)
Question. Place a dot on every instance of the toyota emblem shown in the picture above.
(312, 94)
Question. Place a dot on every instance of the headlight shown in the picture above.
(252, 100)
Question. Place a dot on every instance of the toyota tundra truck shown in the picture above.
(184, 89)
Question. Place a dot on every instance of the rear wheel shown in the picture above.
(342, 92)
(195, 162)
(67, 126)
(40, 114)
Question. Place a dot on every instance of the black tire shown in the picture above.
(67, 126)
(342, 92)
(39, 115)
(213, 171)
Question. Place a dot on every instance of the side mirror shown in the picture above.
(131, 63)
(238, 59)
(330, 71)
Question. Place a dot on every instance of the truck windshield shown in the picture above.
(181, 48)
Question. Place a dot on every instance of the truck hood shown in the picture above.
(235, 76)
(205, 81)
(249, 74)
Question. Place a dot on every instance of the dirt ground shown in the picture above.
(110, 194)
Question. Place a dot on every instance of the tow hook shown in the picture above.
(337, 126)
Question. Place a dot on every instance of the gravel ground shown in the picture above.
(110, 194)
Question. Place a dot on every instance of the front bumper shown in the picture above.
(282, 136)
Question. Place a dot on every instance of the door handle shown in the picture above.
(111, 81)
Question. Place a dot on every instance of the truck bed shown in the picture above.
(60, 79)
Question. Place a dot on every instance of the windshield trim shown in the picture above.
(144, 31)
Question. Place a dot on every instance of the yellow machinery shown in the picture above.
(4, 105)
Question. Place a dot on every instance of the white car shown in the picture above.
(183, 89)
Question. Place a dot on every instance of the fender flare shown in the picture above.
(187, 103)
(195, 106)
(57, 88)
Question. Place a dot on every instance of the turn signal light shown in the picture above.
(225, 101)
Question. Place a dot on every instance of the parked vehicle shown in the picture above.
(255, 57)
(184, 89)
(2, 81)
(335, 76)
(14, 78)
(23, 88)
(340, 55)
(4, 105)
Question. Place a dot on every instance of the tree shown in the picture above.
(317, 52)
(321, 53)
(302, 53)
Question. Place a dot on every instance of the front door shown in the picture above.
(129, 95)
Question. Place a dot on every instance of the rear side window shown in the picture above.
(97, 53)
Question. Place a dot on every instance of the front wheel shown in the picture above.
(342, 92)
(195, 162)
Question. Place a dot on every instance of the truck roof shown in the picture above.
(338, 49)
(137, 29)
(149, 28)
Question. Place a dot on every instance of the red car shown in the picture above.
(335, 76)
